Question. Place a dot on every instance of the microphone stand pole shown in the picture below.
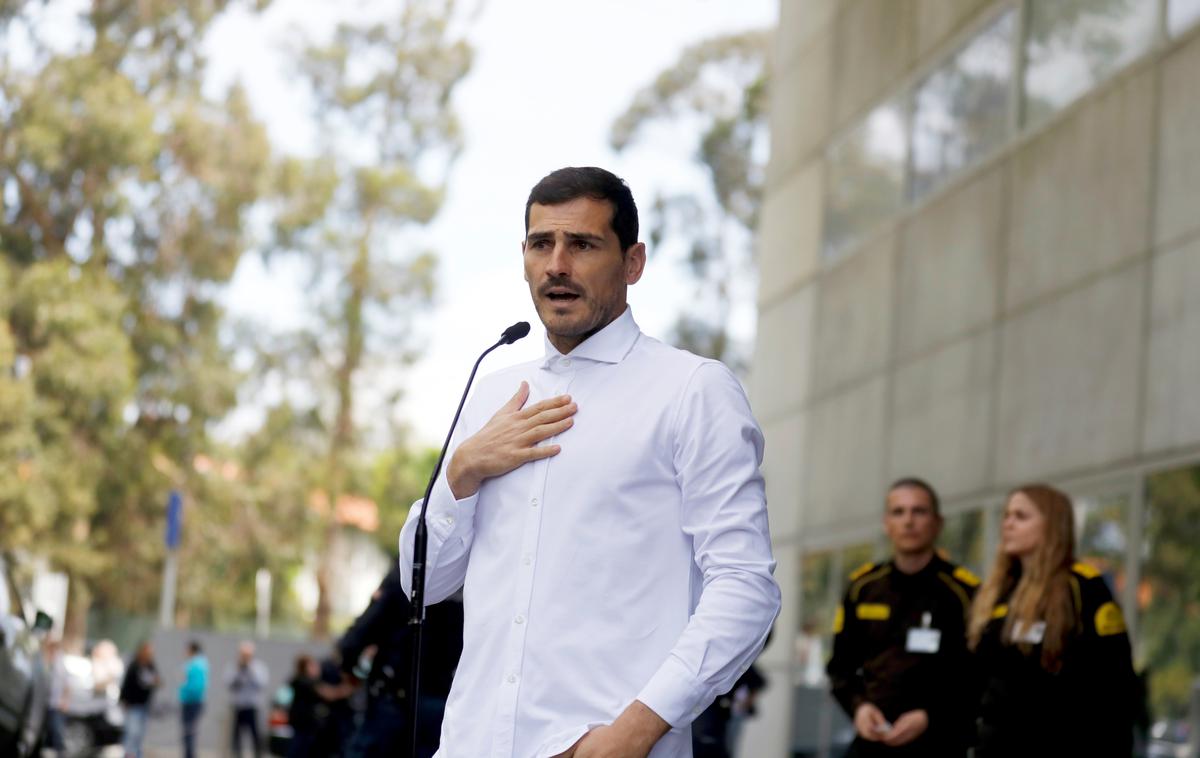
(421, 544)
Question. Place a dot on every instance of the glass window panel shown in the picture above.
(817, 605)
(962, 540)
(1167, 647)
(1181, 14)
(1074, 44)
(865, 178)
(961, 110)
(1102, 533)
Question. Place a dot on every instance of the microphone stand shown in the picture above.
(421, 541)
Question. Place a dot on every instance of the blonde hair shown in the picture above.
(1043, 592)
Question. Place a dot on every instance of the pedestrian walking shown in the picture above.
(137, 690)
(304, 714)
(899, 665)
(247, 682)
(192, 696)
(1050, 641)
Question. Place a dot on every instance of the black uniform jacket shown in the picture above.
(385, 624)
(876, 660)
(1085, 708)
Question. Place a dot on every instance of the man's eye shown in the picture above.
(582, 245)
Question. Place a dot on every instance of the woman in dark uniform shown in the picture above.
(1050, 642)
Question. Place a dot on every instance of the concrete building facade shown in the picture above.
(979, 261)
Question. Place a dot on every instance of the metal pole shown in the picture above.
(166, 608)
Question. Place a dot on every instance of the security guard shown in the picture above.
(1081, 705)
(899, 665)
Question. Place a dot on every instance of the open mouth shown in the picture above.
(561, 296)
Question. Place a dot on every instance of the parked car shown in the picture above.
(24, 681)
(279, 731)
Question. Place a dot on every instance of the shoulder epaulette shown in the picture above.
(966, 576)
(1086, 570)
(861, 570)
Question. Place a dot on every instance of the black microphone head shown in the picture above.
(515, 332)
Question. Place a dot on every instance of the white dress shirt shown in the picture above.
(635, 564)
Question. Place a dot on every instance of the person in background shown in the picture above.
(52, 653)
(192, 695)
(246, 681)
(899, 665)
(1050, 642)
(137, 688)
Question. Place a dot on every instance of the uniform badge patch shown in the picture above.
(1109, 620)
(873, 611)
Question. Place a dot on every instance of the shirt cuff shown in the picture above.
(445, 514)
(674, 694)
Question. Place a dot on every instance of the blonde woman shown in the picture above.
(1050, 641)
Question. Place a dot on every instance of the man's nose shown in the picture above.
(560, 262)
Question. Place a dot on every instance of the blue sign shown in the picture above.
(174, 519)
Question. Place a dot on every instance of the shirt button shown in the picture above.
(566, 362)
(528, 560)
(512, 678)
(533, 502)
(519, 619)
(449, 520)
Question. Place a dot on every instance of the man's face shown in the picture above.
(909, 520)
(576, 270)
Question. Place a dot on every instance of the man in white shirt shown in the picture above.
(604, 508)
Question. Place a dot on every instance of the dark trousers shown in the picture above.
(191, 713)
(382, 730)
(245, 719)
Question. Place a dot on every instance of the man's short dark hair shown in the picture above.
(567, 184)
(921, 484)
(194, 647)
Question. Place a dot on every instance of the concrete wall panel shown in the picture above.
(780, 385)
(854, 309)
(790, 233)
(1081, 193)
(1179, 151)
(940, 427)
(1069, 381)
(1173, 375)
(873, 49)
(784, 469)
(949, 266)
(938, 19)
(800, 97)
(800, 24)
(845, 448)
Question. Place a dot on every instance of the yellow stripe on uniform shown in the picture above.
(1109, 620)
(839, 619)
(1000, 611)
(856, 573)
(1086, 570)
(966, 576)
(873, 611)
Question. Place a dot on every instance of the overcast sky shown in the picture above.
(549, 78)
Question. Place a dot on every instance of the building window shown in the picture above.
(961, 110)
(1102, 531)
(1167, 645)
(865, 178)
(1181, 14)
(1071, 46)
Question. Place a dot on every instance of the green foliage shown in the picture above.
(718, 89)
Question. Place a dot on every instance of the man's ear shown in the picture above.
(635, 262)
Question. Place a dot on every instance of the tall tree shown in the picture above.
(717, 89)
(388, 136)
(125, 193)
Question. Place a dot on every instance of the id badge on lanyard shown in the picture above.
(923, 639)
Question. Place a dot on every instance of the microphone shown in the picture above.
(514, 332)
(421, 539)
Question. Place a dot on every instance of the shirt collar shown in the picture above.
(609, 345)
